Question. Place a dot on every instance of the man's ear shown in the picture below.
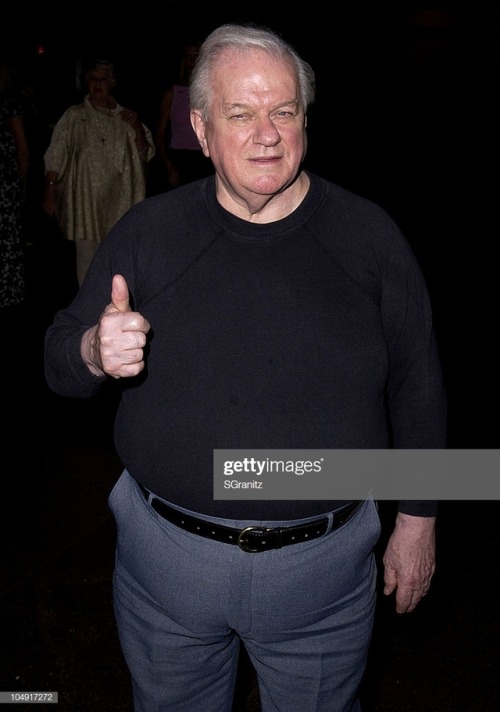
(198, 125)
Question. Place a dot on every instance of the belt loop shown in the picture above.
(330, 523)
(146, 493)
(279, 545)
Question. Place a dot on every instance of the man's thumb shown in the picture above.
(119, 294)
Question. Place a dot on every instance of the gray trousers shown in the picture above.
(183, 603)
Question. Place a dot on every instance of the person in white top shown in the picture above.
(95, 165)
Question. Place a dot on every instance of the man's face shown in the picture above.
(256, 131)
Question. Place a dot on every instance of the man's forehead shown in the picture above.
(234, 61)
(239, 82)
(254, 77)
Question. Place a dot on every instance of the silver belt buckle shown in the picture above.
(245, 546)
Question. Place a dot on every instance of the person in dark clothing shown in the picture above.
(262, 307)
(14, 167)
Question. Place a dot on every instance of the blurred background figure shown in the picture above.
(179, 151)
(38, 133)
(95, 165)
(14, 164)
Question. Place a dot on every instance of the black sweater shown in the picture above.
(314, 331)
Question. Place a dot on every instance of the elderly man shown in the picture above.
(262, 307)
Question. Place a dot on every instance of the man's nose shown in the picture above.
(266, 132)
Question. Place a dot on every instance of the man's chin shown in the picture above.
(270, 185)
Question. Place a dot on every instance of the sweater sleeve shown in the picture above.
(65, 370)
(415, 391)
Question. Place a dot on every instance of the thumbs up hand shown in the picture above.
(115, 346)
(119, 294)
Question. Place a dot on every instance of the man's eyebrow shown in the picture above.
(235, 105)
(288, 102)
(242, 105)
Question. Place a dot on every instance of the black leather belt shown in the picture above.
(252, 539)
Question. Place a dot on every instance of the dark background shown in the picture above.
(407, 115)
